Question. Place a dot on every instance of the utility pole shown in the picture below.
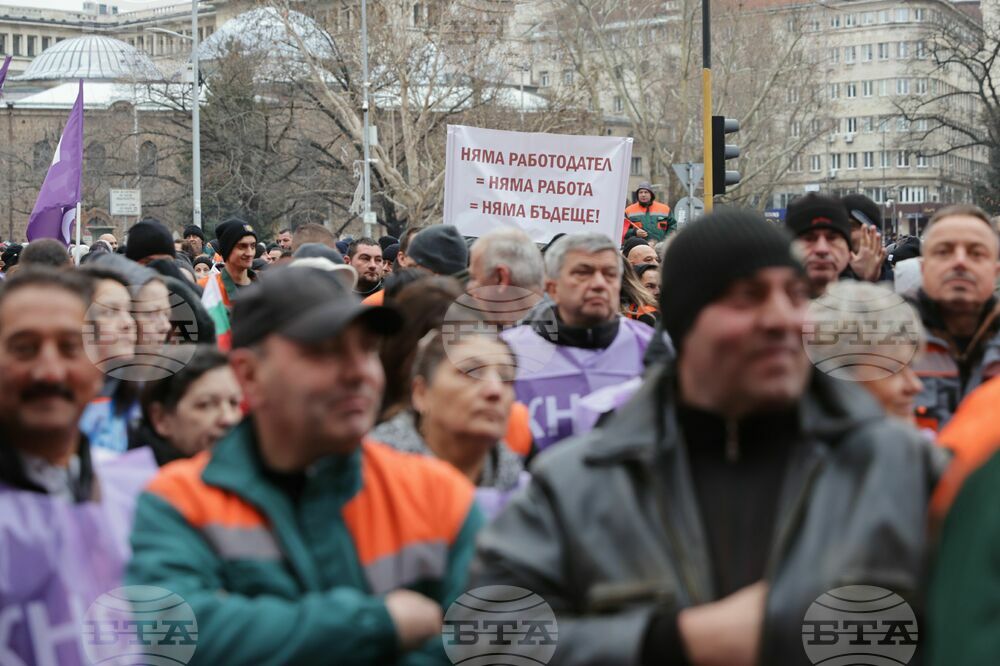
(369, 221)
(706, 96)
(195, 118)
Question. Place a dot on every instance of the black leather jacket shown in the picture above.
(608, 531)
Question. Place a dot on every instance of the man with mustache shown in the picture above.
(64, 510)
(961, 262)
(701, 520)
(294, 539)
(365, 255)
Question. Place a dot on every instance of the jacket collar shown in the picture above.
(647, 424)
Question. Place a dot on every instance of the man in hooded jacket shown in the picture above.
(648, 218)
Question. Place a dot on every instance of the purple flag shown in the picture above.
(3, 70)
(55, 208)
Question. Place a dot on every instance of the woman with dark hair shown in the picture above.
(190, 410)
(462, 396)
(423, 304)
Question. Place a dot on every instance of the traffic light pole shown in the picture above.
(706, 95)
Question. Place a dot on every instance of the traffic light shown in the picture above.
(721, 151)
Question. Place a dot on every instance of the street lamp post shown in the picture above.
(195, 111)
(369, 223)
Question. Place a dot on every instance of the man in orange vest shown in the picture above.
(648, 218)
(295, 540)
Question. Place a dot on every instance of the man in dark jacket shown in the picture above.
(961, 261)
(701, 521)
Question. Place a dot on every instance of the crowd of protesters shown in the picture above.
(679, 439)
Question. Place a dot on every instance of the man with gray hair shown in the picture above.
(506, 275)
(582, 343)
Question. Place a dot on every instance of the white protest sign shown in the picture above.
(544, 184)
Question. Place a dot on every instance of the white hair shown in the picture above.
(512, 248)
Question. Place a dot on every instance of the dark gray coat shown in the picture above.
(609, 527)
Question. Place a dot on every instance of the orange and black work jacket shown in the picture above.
(949, 370)
(281, 577)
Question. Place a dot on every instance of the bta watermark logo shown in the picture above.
(500, 625)
(861, 332)
(140, 624)
(862, 625)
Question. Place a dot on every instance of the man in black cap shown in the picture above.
(735, 464)
(148, 240)
(441, 249)
(238, 247)
(823, 236)
(637, 251)
(869, 259)
(295, 539)
(11, 255)
(196, 236)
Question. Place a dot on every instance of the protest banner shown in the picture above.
(544, 184)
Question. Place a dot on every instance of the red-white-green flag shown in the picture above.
(215, 302)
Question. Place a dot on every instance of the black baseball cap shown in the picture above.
(303, 304)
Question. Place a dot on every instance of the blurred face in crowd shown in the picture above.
(151, 309)
(46, 378)
(744, 352)
(642, 254)
(468, 396)
(960, 264)
(897, 392)
(209, 407)
(110, 240)
(113, 327)
(586, 292)
(197, 244)
(644, 197)
(386, 268)
(274, 255)
(318, 399)
(243, 254)
(285, 240)
(367, 261)
(651, 281)
(825, 255)
(202, 270)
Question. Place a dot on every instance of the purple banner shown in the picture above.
(56, 558)
(3, 71)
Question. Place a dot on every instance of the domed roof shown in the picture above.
(266, 31)
(91, 57)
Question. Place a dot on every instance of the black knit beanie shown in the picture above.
(818, 211)
(229, 234)
(147, 238)
(193, 230)
(631, 244)
(708, 255)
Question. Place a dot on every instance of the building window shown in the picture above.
(46, 42)
(903, 50)
(852, 161)
(17, 45)
(31, 45)
(867, 52)
(852, 126)
(883, 51)
(619, 105)
(852, 90)
(902, 86)
(835, 21)
(866, 88)
(918, 14)
(835, 56)
(796, 129)
(922, 162)
(834, 161)
(94, 156)
(636, 166)
(834, 90)
(850, 20)
(792, 95)
(796, 165)
(902, 15)
(815, 163)
(3, 44)
(883, 16)
(920, 50)
(884, 160)
(920, 86)
(567, 77)
(868, 18)
(147, 159)
(902, 124)
(543, 79)
(850, 55)
(866, 124)
(902, 159)
(868, 160)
